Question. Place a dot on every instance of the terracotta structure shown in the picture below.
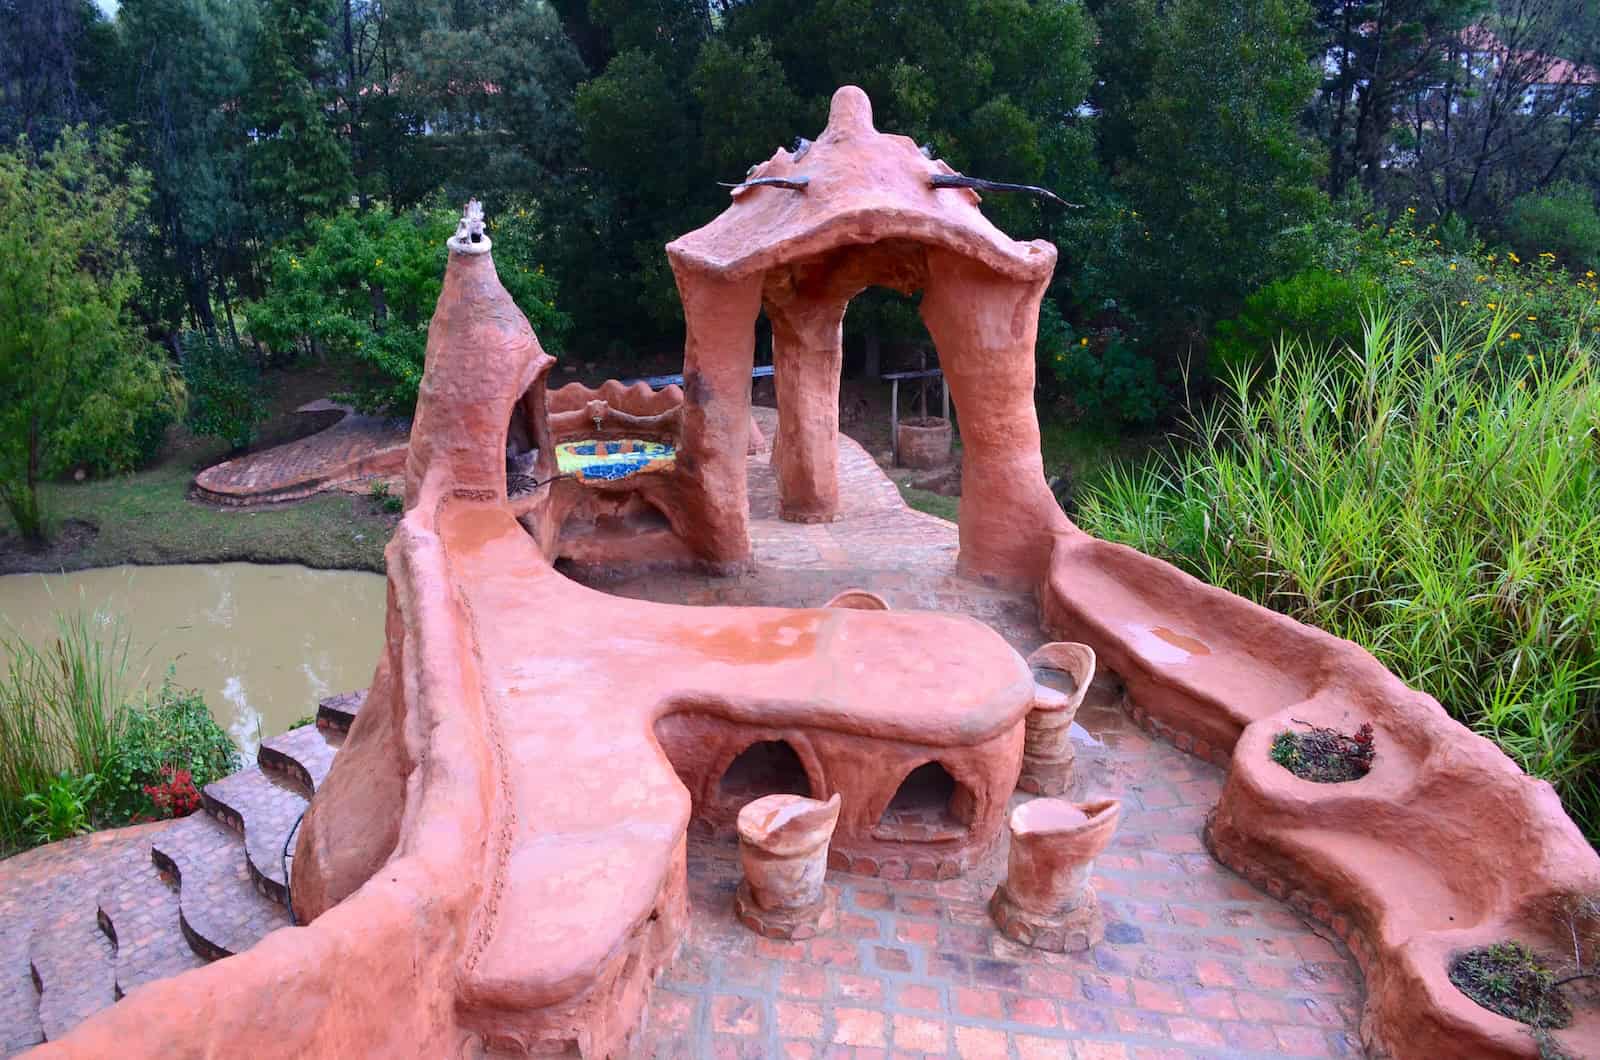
(500, 843)
(867, 216)
(1445, 845)
(1046, 900)
(783, 845)
(1062, 672)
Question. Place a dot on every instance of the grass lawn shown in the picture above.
(147, 517)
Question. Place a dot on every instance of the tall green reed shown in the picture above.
(1433, 495)
(63, 708)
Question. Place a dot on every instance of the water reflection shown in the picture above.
(262, 643)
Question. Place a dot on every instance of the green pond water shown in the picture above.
(262, 643)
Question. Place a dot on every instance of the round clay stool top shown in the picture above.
(1045, 815)
(787, 825)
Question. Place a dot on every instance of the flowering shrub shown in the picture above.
(1550, 305)
(176, 795)
(171, 747)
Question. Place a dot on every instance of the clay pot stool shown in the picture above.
(1062, 672)
(783, 844)
(858, 600)
(923, 442)
(1047, 901)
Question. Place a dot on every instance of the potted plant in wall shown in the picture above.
(1325, 755)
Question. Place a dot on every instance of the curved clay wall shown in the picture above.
(1445, 845)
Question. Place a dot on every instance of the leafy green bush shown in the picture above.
(168, 732)
(224, 381)
(61, 810)
(1319, 306)
(1423, 495)
(1105, 376)
(362, 286)
(77, 750)
(1561, 220)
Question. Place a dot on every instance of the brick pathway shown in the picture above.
(1196, 961)
(349, 451)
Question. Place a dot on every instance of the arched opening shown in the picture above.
(768, 767)
(930, 804)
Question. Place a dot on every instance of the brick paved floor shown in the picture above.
(1196, 961)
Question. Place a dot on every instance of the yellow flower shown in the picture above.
(1522, 384)
(1493, 305)
(1514, 259)
(1464, 302)
(1532, 317)
(1452, 266)
(1411, 209)
(377, 262)
(1547, 254)
(1515, 335)
(1480, 278)
(1589, 274)
(1407, 261)
(1084, 341)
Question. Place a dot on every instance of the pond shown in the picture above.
(262, 643)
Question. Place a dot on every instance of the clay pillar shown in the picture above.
(718, 352)
(783, 845)
(1062, 672)
(984, 326)
(1046, 900)
(808, 357)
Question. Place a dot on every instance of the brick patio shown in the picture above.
(1196, 961)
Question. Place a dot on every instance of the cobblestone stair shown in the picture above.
(202, 888)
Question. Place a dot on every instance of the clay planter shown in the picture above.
(923, 441)
(783, 845)
(1062, 672)
(1046, 900)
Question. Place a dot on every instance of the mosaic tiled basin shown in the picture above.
(612, 458)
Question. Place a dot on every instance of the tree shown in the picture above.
(1513, 111)
(1224, 176)
(361, 286)
(994, 85)
(75, 373)
(45, 56)
(298, 167)
(182, 78)
(1379, 55)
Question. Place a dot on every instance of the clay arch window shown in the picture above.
(767, 767)
(930, 804)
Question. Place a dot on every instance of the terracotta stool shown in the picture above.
(1046, 900)
(858, 600)
(783, 844)
(1047, 754)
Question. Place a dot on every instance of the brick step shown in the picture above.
(302, 756)
(339, 712)
(219, 909)
(263, 810)
(73, 970)
(138, 912)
